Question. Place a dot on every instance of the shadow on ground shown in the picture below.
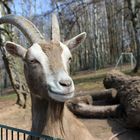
(110, 129)
(121, 132)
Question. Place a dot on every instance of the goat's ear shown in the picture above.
(75, 41)
(15, 49)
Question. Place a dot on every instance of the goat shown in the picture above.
(46, 66)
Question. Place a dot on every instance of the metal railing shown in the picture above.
(11, 133)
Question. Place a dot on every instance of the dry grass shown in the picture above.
(103, 129)
(89, 80)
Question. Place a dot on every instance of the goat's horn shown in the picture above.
(27, 27)
(55, 28)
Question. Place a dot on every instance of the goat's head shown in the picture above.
(46, 65)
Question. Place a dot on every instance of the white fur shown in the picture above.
(61, 98)
(52, 80)
(63, 93)
(36, 52)
(66, 54)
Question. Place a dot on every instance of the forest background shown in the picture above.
(112, 27)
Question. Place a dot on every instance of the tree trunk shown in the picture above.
(128, 88)
(133, 6)
(13, 69)
(17, 79)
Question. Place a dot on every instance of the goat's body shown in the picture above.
(46, 66)
(56, 120)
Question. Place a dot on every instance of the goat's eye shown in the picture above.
(70, 59)
(33, 61)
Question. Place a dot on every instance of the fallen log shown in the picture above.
(88, 111)
(128, 89)
(99, 95)
(93, 97)
(99, 104)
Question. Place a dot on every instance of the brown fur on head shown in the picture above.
(46, 67)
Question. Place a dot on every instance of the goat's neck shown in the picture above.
(47, 117)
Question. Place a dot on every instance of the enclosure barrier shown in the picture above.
(10, 133)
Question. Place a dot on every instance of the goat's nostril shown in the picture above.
(65, 83)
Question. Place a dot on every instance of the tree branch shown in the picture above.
(103, 94)
(84, 110)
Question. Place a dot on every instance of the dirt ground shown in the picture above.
(103, 129)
